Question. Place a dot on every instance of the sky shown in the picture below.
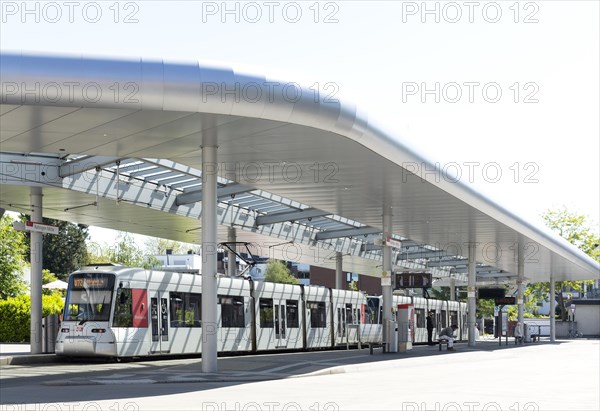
(506, 93)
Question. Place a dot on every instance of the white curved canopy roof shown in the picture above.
(289, 145)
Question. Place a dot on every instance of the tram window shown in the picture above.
(444, 319)
(371, 310)
(232, 311)
(317, 314)
(185, 309)
(453, 317)
(420, 317)
(266, 312)
(123, 316)
(292, 313)
(349, 317)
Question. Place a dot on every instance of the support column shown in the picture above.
(471, 302)
(520, 281)
(339, 272)
(452, 289)
(231, 258)
(552, 309)
(209, 256)
(386, 290)
(36, 273)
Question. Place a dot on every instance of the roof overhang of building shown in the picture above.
(277, 139)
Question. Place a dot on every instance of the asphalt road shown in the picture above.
(540, 376)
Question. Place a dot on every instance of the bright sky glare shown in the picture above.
(505, 94)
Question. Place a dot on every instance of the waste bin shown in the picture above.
(405, 330)
(49, 333)
(392, 339)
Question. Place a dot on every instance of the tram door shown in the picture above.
(347, 316)
(159, 317)
(341, 324)
(280, 326)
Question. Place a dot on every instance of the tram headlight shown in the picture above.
(98, 330)
(64, 330)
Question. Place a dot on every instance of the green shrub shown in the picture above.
(15, 315)
(277, 272)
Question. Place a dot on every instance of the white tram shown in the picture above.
(131, 312)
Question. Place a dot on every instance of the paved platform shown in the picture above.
(544, 375)
(19, 354)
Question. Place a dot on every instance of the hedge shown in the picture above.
(15, 315)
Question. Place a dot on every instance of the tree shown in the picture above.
(577, 230)
(125, 252)
(159, 246)
(12, 261)
(277, 272)
(440, 293)
(48, 277)
(485, 308)
(97, 254)
(64, 252)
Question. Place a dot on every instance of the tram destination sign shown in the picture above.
(505, 301)
(90, 282)
(491, 293)
(413, 280)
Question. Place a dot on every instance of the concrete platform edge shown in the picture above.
(28, 359)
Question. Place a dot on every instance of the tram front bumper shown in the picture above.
(85, 347)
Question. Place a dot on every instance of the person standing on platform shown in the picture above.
(429, 320)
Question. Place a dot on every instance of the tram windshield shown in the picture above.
(89, 297)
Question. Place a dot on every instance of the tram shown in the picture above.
(123, 312)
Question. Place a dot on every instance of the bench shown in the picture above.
(521, 340)
(375, 345)
(442, 342)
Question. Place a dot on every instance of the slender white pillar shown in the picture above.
(339, 272)
(452, 289)
(209, 257)
(36, 272)
(471, 302)
(520, 282)
(552, 309)
(231, 259)
(386, 290)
